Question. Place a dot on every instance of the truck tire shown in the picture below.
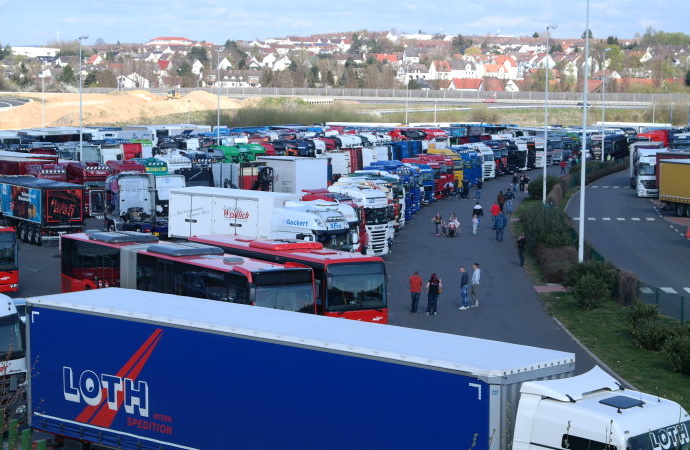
(137, 229)
(32, 234)
(35, 236)
(24, 232)
(681, 210)
(111, 226)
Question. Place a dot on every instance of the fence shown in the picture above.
(669, 304)
(440, 96)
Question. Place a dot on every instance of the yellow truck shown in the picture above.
(674, 184)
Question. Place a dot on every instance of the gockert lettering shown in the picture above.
(91, 388)
(674, 436)
(296, 223)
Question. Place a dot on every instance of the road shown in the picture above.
(9, 102)
(510, 310)
(635, 234)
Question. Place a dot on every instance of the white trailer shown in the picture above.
(295, 174)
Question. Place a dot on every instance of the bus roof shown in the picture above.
(305, 251)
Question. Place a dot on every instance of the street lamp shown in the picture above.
(218, 92)
(407, 98)
(81, 38)
(43, 94)
(603, 103)
(546, 112)
(583, 148)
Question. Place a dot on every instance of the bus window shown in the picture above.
(356, 287)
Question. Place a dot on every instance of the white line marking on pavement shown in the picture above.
(646, 290)
(604, 187)
(669, 290)
(591, 218)
(620, 218)
(594, 187)
(616, 187)
(651, 219)
(636, 219)
(687, 290)
(576, 218)
(606, 218)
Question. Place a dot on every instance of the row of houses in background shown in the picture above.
(503, 64)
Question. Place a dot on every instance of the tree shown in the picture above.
(91, 79)
(184, 69)
(67, 76)
(584, 34)
(612, 40)
(5, 52)
(200, 54)
(535, 35)
(460, 43)
(330, 79)
(556, 48)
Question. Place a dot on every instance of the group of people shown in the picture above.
(469, 287)
(520, 182)
(443, 228)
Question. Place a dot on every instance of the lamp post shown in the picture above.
(583, 148)
(546, 113)
(43, 95)
(218, 94)
(407, 98)
(603, 103)
(435, 113)
(81, 38)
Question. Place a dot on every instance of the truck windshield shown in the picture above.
(646, 169)
(353, 287)
(673, 437)
(11, 340)
(296, 297)
(376, 216)
(337, 241)
(8, 251)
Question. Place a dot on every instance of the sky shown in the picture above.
(38, 22)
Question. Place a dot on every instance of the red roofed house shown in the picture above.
(94, 60)
(439, 70)
(465, 84)
(388, 57)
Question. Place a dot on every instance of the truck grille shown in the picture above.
(649, 184)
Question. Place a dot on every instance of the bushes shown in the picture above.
(677, 350)
(590, 291)
(605, 271)
(536, 185)
(545, 226)
(628, 286)
(555, 262)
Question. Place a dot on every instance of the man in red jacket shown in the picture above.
(415, 290)
(495, 210)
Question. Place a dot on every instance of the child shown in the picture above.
(475, 224)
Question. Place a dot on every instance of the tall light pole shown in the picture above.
(407, 98)
(435, 113)
(81, 38)
(546, 113)
(603, 104)
(43, 95)
(218, 92)
(583, 148)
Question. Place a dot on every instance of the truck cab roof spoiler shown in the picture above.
(575, 388)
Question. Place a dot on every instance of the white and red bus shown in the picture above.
(348, 285)
(9, 266)
(139, 261)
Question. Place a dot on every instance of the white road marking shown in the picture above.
(651, 219)
(606, 218)
(635, 219)
(604, 187)
(646, 290)
(687, 289)
(616, 187)
(669, 290)
(620, 218)
(591, 218)
(594, 187)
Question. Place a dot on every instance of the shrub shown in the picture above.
(604, 271)
(677, 350)
(642, 311)
(555, 262)
(650, 333)
(628, 286)
(555, 195)
(536, 185)
(590, 292)
(545, 226)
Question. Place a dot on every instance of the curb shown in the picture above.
(609, 370)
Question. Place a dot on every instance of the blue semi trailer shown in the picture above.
(121, 368)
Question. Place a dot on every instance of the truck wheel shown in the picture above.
(137, 229)
(680, 210)
(111, 226)
(32, 234)
(24, 233)
(38, 236)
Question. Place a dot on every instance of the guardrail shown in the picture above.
(669, 304)
(417, 95)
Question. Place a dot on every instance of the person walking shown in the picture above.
(479, 212)
(508, 208)
(514, 181)
(464, 288)
(465, 189)
(522, 182)
(480, 186)
(415, 290)
(522, 245)
(501, 199)
(495, 210)
(526, 184)
(563, 164)
(438, 221)
(501, 222)
(475, 224)
(474, 287)
(434, 288)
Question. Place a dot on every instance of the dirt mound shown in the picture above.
(115, 108)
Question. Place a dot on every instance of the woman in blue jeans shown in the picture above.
(433, 287)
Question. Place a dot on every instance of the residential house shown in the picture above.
(281, 64)
(465, 84)
(94, 60)
(411, 55)
(132, 81)
(460, 68)
(439, 70)
(197, 67)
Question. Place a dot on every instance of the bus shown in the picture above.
(348, 285)
(9, 266)
(138, 261)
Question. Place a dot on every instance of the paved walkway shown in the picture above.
(550, 287)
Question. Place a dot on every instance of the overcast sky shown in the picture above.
(36, 22)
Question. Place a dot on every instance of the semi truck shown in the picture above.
(12, 352)
(674, 189)
(467, 392)
(295, 174)
(257, 214)
(130, 204)
(92, 175)
(41, 209)
(643, 166)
